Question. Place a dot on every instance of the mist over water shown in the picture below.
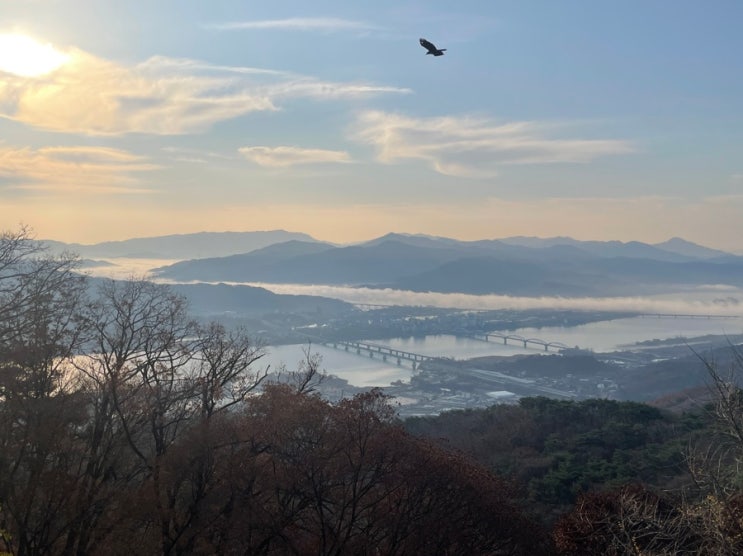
(712, 299)
(123, 268)
(703, 300)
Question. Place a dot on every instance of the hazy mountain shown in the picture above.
(573, 276)
(182, 246)
(673, 250)
(689, 249)
(358, 264)
(488, 266)
(246, 267)
(215, 299)
(418, 240)
(534, 248)
(463, 248)
(515, 266)
(508, 277)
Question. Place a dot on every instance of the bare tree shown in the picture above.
(224, 367)
(41, 301)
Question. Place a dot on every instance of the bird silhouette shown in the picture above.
(431, 48)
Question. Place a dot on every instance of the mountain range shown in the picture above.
(179, 246)
(513, 266)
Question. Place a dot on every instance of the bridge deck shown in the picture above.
(384, 352)
(527, 343)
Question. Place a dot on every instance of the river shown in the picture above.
(598, 336)
(604, 336)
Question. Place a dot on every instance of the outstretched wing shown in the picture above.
(428, 45)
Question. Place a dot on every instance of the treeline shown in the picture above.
(128, 428)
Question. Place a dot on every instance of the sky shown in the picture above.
(595, 120)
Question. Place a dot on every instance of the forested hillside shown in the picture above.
(614, 477)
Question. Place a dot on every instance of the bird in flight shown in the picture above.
(431, 48)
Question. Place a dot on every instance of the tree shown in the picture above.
(628, 520)
(224, 367)
(41, 301)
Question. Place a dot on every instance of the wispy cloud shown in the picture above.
(162, 96)
(324, 90)
(474, 147)
(284, 156)
(325, 24)
(196, 156)
(91, 169)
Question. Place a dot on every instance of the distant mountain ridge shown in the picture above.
(221, 244)
(527, 266)
(513, 266)
(683, 247)
(181, 246)
(675, 249)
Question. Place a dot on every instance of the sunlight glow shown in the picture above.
(23, 56)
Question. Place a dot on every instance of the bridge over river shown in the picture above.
(516, 384)
(521, 341)
(384, 353)
(398, 356)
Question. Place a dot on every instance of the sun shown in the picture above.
(23, 56)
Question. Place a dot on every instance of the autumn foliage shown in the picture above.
(127, 428)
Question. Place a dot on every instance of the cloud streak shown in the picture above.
(325, 24)
(161, 96)
(91, 169)
(465, 146)
(284, 156)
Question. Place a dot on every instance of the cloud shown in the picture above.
(289, 156)
(194, 156)
(466, 146)
(161, 96)
(324, 90)
(327, 24)
(90, 169)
